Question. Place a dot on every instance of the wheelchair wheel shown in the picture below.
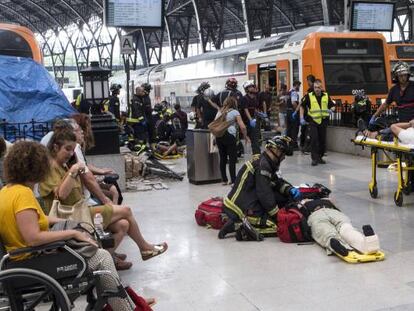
(45, 294)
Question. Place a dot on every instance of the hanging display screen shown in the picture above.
(372, 16)
(134, 13)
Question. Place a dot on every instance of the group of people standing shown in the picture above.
(244, 114)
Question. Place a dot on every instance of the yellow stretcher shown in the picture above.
(355, 257)
(404, 153)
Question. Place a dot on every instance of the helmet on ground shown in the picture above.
(401, 68)
(147, 87)
(115, 87)
(282, 142)
(202, 87)
(248, 84)
(231, 83)
(208, 93)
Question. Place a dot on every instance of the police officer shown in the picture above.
(319, 105)
(292, 109)
(402, 93)
(112, 104)
(258, 190)
(249, 107)
(136, 116)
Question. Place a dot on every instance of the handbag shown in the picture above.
(220, 125)
(79, 211)
(85, 249)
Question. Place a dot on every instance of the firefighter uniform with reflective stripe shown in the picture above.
(257, 193)
(136, 119)
(318, 118)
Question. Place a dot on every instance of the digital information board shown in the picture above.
(134, 13)
(372, 16)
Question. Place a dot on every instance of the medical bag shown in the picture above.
(292, 226)
(316, 191)
(210, 213)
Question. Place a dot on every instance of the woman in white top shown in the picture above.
(227, 144)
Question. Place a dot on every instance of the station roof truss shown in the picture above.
(207, 22)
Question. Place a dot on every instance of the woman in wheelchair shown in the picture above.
(64, 182)
(23, 222)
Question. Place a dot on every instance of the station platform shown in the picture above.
(200, 272)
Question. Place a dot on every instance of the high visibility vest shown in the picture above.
(316, 112)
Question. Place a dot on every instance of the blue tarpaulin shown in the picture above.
(28, 92)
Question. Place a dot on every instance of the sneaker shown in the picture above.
(228, 227)
(314, 163)
(338, 248)
(371, 240)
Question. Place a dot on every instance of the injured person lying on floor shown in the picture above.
(333, 230)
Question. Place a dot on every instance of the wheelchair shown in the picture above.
(52, 278)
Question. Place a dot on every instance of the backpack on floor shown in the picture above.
(211, 213)
(292, 226)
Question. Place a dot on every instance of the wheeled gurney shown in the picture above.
(404, 154)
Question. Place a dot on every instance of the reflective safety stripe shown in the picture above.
(135, 120)
(270, 228)
(265, 173)
(230, 205)
(316, 112)
(273, 211)
(284, 188)
(78, 100)
(106, 105)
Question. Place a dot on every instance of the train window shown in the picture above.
(351, 63)
(405, 51)
(13, 44)
(295, 70)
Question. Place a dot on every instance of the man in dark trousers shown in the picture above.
(197, 104)
(148, 111)
(113, 104)
(292, 118)
(319, 105)
(259, 191)
(249, 106)
(304, 131)
(136, 116)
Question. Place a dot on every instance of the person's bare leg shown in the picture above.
(123, 212)
(119, 229)
(114, 194)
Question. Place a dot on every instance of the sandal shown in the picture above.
(158, 250)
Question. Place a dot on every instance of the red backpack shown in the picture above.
(292, 226)
(211, 213)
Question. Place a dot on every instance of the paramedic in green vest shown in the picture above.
(136, 117)
(319, 106)
(259, 191)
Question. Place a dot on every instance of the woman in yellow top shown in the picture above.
(64, 182)
(23, 222)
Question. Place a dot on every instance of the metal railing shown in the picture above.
(32, 130)
(344, 115)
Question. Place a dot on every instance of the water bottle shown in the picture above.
(98, 222)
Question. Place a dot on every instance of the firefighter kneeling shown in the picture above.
(258, 193)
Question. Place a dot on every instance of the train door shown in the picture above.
(283, 73)
(252, 72)
(267, 76)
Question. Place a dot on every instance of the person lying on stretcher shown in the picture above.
(333, 230)
(379, 128)
(403, 131)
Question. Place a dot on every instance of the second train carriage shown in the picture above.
(344, 61)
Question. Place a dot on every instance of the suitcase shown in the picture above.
(210, 213)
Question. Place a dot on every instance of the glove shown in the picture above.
(295, 193)
(252, 123)
(372, 120)
(294, 115)
(302, 121)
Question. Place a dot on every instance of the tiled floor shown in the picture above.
(200, 272)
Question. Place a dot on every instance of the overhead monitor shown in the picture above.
(134, 13)
(372, 16)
